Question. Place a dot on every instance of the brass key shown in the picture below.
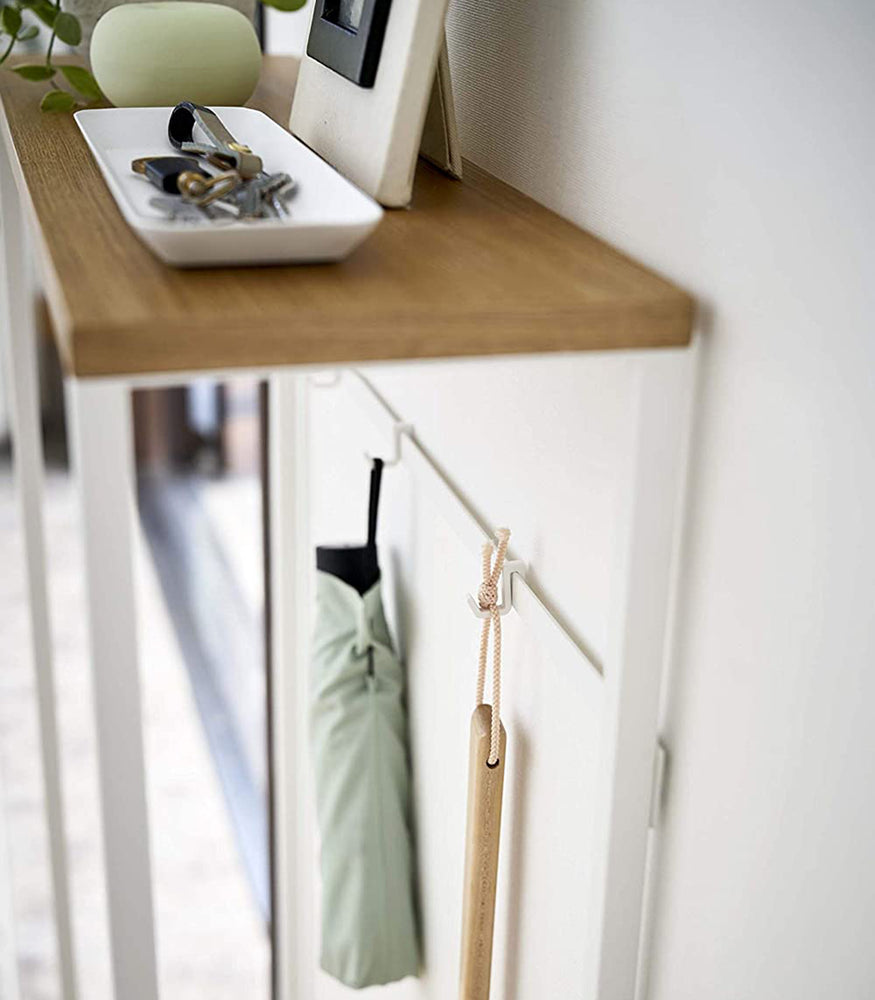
(201, 189)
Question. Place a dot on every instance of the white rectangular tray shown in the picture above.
(329, 216)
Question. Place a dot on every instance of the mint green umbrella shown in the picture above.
(362, 771)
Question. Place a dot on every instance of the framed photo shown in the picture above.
(363, 89)
(347, 36)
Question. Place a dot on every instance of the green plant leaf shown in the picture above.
(58, 100)
(83, 81)
(285, 5)
(45, 12)
(11, 19)
(34, 72)
(31, 31)
(68, 29)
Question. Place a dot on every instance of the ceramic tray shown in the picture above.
(329, 217)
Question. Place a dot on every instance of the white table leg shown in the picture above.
(103, 458)
(19, 361)
(290, 555)
(646, 550)
(9, 986)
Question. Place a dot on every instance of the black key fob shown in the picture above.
(163, 171)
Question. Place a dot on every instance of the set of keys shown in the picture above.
(192, 192)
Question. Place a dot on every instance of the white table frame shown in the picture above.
(100, 411)
(18, 357)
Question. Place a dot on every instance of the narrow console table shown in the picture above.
(474, 269)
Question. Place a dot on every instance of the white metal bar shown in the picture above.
(635, 660)
(442, 495)
(283, 626)
(547, 633)
(662, 762)
(547, 630)
(657, 787)
(103, 456)
(657, 796)
(323, 377)
(9, 984)
(290, 555)
(19, 361)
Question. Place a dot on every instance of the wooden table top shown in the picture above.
(474, 268)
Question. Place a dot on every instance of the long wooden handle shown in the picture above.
(485, 788)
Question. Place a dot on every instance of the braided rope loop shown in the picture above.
(487, 597)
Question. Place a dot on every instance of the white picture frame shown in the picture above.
(372, 134)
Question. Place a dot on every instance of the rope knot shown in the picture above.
(487, 596)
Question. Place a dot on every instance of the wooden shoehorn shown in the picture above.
(485, 788)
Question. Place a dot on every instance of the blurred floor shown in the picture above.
(204, 539)
(212, 941)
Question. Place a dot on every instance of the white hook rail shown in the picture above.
(517, 594)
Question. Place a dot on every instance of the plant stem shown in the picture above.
(52, 39)
(5, 55)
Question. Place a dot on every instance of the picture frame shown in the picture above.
(347, 36)
(372, 134)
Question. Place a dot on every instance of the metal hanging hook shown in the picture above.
(397, 430)
(505, 605)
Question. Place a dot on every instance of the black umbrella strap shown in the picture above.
(374, 501)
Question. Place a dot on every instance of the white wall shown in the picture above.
(286, 33)
(730, 146)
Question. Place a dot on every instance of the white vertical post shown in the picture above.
(648, 509)
(290, 624)
(9, 986)
(102, 450)
(18, 347)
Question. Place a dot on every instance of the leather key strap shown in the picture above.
(164, 171)
(220, 146)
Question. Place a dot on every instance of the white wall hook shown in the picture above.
(325, 381)
(510, 567)
(397, 430)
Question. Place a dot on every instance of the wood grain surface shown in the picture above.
(473, 268)
(485, 792)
